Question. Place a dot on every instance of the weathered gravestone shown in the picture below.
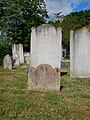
(17, 53)
(21, 54)
(44, 77)
(7, 62)
(80, 53)
(46, 55)
(27, 57)
(16, 60)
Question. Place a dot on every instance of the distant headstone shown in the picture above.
(7, 62)
(45, 58)
(27, 57)
(17, 53)
(16, 59)
(63, 65)
(21, 54)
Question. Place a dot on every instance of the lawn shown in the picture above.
(18, 103)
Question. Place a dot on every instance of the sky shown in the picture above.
(66, 6)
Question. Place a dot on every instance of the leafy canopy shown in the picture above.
(18, 16)
(72, 21)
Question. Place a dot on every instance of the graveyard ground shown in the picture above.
(18, 103)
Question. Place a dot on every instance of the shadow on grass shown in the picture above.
(63, 73)
(61, 87)
(14, 68)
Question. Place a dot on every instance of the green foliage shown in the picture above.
(19, 16)
(5, 49)
(72, 21)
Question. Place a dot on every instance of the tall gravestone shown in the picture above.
(7, 62)
(17, 52)
(45, 59)
(21, 54)
(80, 53)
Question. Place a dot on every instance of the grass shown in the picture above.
(18, 103)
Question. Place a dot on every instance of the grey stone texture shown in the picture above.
(44, 77)
(46, 46)
(17, 53)
(46, 51)
(63, 65)
(21, 54)
(7, 62)
(27, 57)
(80, 53)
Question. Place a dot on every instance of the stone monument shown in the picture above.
(7, 62)
(80, 53)
(45, 59)
(27, 57)
(21, 54)
(17, 53)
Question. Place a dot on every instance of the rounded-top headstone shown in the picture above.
(44, 77)
(7, 62)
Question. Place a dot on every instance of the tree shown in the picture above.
(59, 17)
(72, 21)
(21, 16)
(5, 49)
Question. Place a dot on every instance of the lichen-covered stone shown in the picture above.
(44, 77)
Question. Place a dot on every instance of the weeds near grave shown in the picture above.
(18, 103)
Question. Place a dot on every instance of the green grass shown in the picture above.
(18, 103)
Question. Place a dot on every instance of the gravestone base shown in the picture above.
(44, 77)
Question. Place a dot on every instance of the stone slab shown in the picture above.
(7, 62)
(44, 77)
(80, 53)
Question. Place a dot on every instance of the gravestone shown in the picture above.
(63, 65)
(7, 62)
(17, 53)
(16, 60)
(80, 53)
(46, 55)
(21, 55)
(44, 77)
(27, 57)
